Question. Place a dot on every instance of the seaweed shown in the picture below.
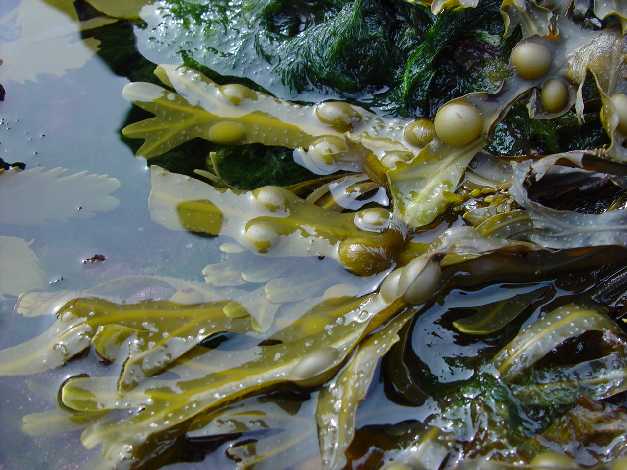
(337, 403)
(538, 339)
(339, 222)
(253, 166)
(350, 49)
(491, 318)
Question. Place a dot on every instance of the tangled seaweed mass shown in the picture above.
(360, 151)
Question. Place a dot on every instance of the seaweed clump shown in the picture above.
(322, 278)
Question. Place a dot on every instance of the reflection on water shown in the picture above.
(173, 322)
(63, 108)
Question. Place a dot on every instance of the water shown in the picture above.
(72, 121)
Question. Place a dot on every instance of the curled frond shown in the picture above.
(536, 340)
